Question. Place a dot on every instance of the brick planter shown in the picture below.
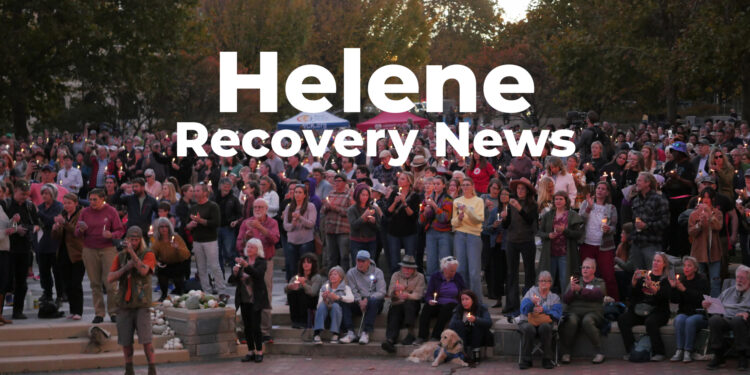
(205, 333)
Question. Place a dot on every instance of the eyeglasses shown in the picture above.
(545, 281)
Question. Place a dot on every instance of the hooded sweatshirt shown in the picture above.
(361, 284)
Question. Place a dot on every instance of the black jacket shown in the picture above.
(138, 215)
(257, 272)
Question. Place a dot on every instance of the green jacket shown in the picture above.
(573, 233)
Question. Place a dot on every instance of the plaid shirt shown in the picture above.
(653, 210)
(335, 219)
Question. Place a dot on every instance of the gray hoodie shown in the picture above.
(361, 284)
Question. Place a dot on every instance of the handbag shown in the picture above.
(643, 309)
(537, 319)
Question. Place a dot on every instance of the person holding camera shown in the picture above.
(133, 267)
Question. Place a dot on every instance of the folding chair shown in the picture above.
(538, 346)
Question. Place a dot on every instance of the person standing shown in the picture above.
(99, 224)
(231, 215)
(132, 268)
(336, 223)
(47, 247)
(250, 295)
(70, 256)
(25, 222)
(468, 217)
(651, 217)
(204, 222)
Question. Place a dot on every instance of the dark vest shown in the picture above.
(140, 284)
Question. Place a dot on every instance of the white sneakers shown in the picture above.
(677, 356)
(688, 357)
(350, 337)
(317, 340)
(364, 338)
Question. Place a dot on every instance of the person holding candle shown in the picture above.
(600, 217)
(251, 295)
(678, 189)
(468, 216)
(584, 310)
(205, 218)
(336, 223)
(687, 291)
(540, 309)
(546, 191)
(560, 230)
(98, 250)
(302, 291)
(472, 322)
(368, 286)
(403, 214)
(491, 200)
(649, 305)
(436, 216)
(299, 221)
(498, 244)
(171, 252)
(564, 181)
(363, 216)
(724, 172)
(441, 297)
(651, 214)
(333, 298)
(704, 225)
(141, 207)
(406, 289)
(48, 246)
(520, 223)
(70, 253)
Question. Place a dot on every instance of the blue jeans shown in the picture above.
(374, 305)
(558, 268)
(468, 249)
(292, 253)
(227, 246)
(395, 244)
(355, 246)
(686, 328)
(438, 245)
(323, 311)
(713, 270)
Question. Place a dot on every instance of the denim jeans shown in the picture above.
(558, 268)
(713, 270)
(395, 244)
(227, 246)
(438, 246)
(335, 311)
(686, 327)
(374, 305)
(642, 255)
(336, 252)
(292, 253)
(468, 249)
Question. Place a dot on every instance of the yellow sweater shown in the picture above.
(473, 215)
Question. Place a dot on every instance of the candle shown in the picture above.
(498, 216)
(420, 206)
(434, 296)
(328, 287)
(296, 279)
(104, 227)
(172, 240)
(150, 229)
(678, 276)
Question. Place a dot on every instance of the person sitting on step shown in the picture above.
(406, 291)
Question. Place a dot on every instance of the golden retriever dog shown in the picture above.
(450, 349)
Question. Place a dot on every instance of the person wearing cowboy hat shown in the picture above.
(405, 291)
(417, 167)
(678, 188)
(520, 221)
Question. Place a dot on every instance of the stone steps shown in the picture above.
(58, 362)
(65, 346)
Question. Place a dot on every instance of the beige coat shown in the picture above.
(699, 231)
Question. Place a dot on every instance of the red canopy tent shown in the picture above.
(388, 120)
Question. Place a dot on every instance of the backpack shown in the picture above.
(642, 350)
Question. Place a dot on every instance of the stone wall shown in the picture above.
(205, 333)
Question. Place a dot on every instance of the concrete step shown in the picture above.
(49, 331)
(289, 333)
(296, 347)
(33, 348)
(85, 361)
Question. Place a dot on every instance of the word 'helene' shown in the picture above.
(377, 88)
(348, 142)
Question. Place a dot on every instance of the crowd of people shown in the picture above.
(645, 215)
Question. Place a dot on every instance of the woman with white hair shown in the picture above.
(441, 297)
(47, 247)
(330, 299)
(171, 252)
(251, 295)
(540, 309)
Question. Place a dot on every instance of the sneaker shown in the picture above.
(348, 338)
(364, 338)
(688, 357)
(408, 340)
(317, 340)
(334, 339)
(678, 355)
(657, 358)
(97, 320)
(565, 359)
(598, 358)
